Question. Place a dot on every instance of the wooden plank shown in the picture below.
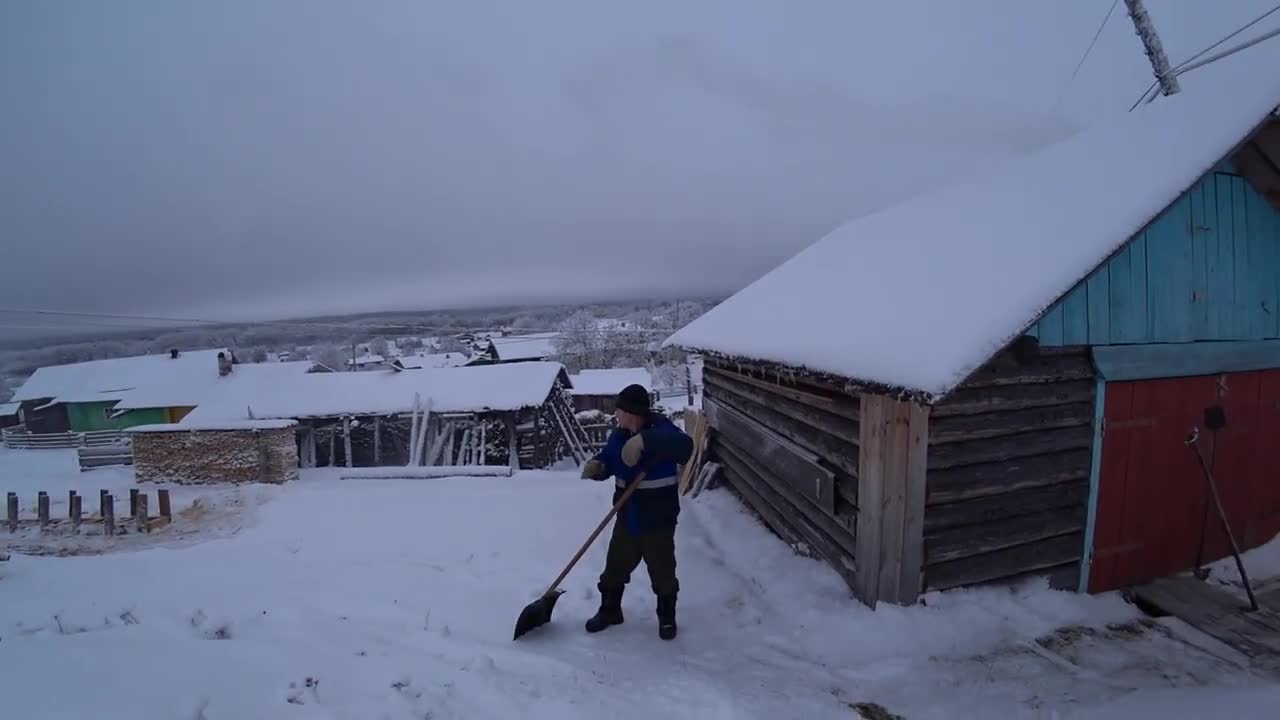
(912, 576)
(11, 506)
(1217, 613)
(893, 495)
(999, 398)
(960, 428)
(840, 405)
(1099, 290)
(807, 414)
(1009, 447)
(1075, 316)
(960, 542)
(1003, 506)
(1009, 562)
(166, 508)
(42, 508)
(871, 470)
(1050, 326)
(1169, 275)
(784, 459)
(835, 389)
(1144, 362)
(1005, 370)
(109, 514)
(744, 465)
(823, 443)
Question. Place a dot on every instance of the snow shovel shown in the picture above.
(538, 612)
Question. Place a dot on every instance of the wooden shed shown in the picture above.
(1023, 360)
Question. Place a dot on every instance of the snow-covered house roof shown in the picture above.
(208, 386)
(114, 378)
(609, 382)
(492, 388)
(925, 292)
(535, 346)
(433, 360)
(367, 359)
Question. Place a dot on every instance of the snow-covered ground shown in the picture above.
(384, 598)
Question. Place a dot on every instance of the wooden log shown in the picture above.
(741, 459)
(770, 505)
(812, 410)
(997, 398)
(969, 540)
(141, 515)
(166, 509)
(11, 504)
(76, 516)
(802, 381)
(377, 441)
(1010, 447)
(822, 441)
(767, 513)
(1006, 370)
(108, 514)
(1005, 563)
(961, 428)
(1002, 506)
(784, 459)
(42, 509)
(997, 478)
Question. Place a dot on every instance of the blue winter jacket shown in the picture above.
(656, 502)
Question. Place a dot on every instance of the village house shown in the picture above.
(1016, 373)
(597, 390)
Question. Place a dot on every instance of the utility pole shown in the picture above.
(1151, 43)
(688, 373)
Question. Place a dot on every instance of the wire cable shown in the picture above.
(1062, 93)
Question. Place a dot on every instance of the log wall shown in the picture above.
(1008, 471)
(789, 448)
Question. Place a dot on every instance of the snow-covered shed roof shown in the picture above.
(214, 426)
(535, 346)
(918, 296)
(111, 379)
(9, 408)
(433, 360)
(609, 382)
(460, 389)
(195, 390)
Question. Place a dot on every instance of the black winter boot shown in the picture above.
(610, 612)
(667, 616)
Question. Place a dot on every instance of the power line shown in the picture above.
(1184, 65)
(1062, 93)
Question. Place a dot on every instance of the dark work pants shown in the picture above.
(657, 549)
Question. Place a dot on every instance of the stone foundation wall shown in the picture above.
(216, 456)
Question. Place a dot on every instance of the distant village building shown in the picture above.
(1013, 375)
(598, 389)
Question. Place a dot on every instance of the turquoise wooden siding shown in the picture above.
(1208, 268)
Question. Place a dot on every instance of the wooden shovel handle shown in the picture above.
(626, 494)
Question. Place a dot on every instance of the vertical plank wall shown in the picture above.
(1008, 471)
(1208, 268)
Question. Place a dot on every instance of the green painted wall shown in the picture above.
(87, 417)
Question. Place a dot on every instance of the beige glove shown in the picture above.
(594, 470)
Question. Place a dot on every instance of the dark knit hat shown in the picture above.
(634, 399)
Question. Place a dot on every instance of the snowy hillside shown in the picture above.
(396, 599)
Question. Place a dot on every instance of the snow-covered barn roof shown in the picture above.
(114, 378)
(535, 346)
(196, 390)
(609, 382)
(924, 292)
(433, 360)
(460, 389)
(9, 408)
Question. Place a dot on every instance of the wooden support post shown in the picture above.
(75, 512)
(346, 439)
(513, 443)
(140, 517)
(108, 514)
(166, 510)
(377, 441)
(12, 505)
(133, 502)
(333, 446)
(102, 503)
(891, 495)
(42, 509)
(484, 450)
(71, 494)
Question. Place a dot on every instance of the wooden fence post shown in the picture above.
(166, 510)
(133, 502)
(140, 516)
(108, 513)
(42, 509)
(12, 504)
(75, 512)
(71, 494)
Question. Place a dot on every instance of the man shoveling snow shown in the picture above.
(645, 528)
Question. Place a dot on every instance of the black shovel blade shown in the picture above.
(536, 613)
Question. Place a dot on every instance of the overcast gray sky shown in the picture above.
(265, 158)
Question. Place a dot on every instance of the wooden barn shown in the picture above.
(517, 414)
(1022, 362)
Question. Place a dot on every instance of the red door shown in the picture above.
(1154, 515)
